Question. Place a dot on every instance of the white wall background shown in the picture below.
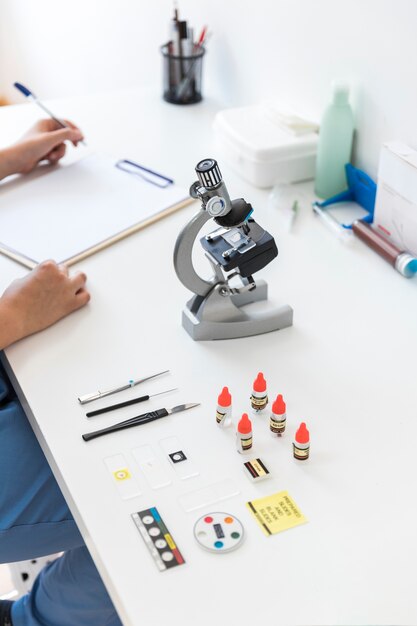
(259, 48)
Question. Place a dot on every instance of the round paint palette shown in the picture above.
(219, 532)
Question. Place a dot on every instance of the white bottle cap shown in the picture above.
(340, 91)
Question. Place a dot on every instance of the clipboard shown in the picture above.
(70, 212)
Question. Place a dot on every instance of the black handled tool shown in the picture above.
(139, 420)
(120, 405)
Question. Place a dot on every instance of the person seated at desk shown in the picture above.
(34, 517)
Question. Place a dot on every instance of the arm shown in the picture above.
(38, 300)
(48, 293)
(45, 141)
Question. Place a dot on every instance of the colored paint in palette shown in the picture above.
(158, 539)
(219, 532)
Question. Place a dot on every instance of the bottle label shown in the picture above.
(277, 425)
(246, 442)
(220, 416)
(258, 403)
(301, 453)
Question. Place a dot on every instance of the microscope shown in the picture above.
(236, 250)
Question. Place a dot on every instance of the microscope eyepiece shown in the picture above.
(208, 173)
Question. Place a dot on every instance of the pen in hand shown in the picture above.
(31, 96)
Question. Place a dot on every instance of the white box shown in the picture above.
(261, 150)
(396, 198)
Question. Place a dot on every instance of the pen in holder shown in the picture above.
(182, 75)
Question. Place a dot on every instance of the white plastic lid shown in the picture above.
(259, 139)
(340, 90)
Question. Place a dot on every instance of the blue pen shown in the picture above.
(29, 94)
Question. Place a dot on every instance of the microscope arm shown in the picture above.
(183, 251)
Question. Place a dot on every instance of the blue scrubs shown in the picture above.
(35, 521)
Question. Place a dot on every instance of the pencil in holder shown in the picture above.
(182, 75)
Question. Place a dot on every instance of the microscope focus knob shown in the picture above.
(208, 173)
(216, 207)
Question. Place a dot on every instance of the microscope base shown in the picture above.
(221, 317)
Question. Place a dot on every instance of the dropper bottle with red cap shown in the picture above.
(301, 445)
(224, 408)
(278, 419)
(259, 397)
(244, 435)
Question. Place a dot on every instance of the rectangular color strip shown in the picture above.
(155, 514)
(158, 539)
(178, 556)
(170, 541)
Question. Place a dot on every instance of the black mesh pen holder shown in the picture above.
(182, 76)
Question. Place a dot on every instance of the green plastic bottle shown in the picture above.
(335, 144)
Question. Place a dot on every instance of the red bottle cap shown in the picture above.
(245, 425)
(260, 383)
(302, 435)
(279, 407)
(225, 399)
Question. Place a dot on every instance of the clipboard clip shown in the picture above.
(149, 176)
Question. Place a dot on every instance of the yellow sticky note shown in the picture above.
(276, 513)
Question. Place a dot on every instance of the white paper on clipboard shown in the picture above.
(63, 212)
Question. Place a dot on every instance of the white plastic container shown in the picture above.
(263, 151)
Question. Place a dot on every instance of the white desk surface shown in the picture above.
(346, 367)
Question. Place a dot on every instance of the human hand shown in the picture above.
(40, 299)
(45, 141)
